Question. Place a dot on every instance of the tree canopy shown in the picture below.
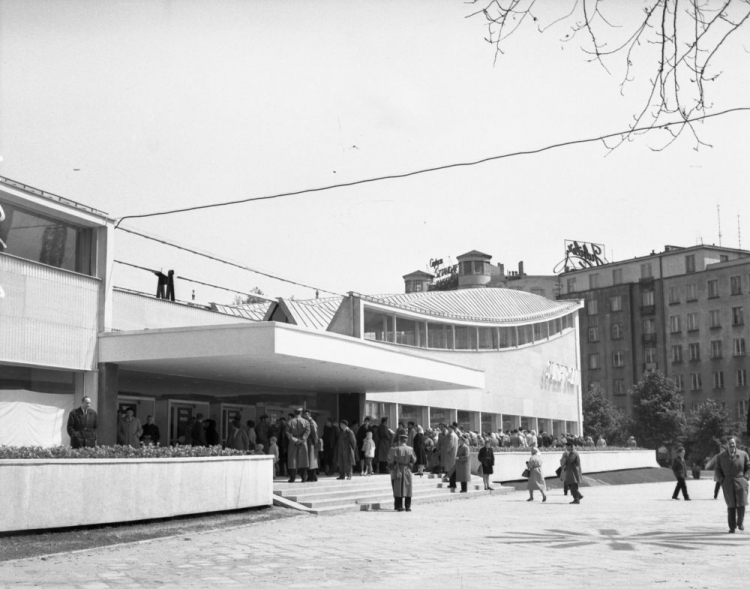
(657, 411)
(602, 417)
(708, 425)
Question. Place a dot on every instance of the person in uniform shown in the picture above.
(400, 461)
(297, 431)
(733, 470)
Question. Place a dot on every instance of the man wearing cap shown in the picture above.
(312, 448)
(400, 461)
(733, 470)
(297, 431)
(572, 471)
(346, 451)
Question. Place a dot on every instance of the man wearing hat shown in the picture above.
(298, 430)
(400, 461)
(572, 471)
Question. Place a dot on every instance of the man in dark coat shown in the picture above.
(82, 425)
(330, 436)
(572, 470)
(679, 468)
(385, 437)
(198, 432)
(346, 450)
(400, 461)
(733, 470)
(150, 432)
(298, 430)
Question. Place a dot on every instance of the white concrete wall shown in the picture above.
(513, 379)
(510, 465)
(40, 494)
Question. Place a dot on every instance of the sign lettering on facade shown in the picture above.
(446, 276)
(581, 254)
(560, 378)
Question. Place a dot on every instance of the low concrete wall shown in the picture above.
(510, 465)
(41, 494)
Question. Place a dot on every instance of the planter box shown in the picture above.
(41, 494)
(510, 465)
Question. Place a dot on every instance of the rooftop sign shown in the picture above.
(580, 255)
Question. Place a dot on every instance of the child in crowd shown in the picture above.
(259, 450)
(273, 450)
(368, 449)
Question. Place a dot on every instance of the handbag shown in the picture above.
(526, 473)
(558, 472)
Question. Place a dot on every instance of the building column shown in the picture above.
(424, 417)
(497, 422)
(107, 403)
(475, 421)
(534, 424)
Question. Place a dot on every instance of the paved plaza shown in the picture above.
(619, 536)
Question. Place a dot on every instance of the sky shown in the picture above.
(137, 106)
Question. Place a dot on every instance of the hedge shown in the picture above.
(39, 452)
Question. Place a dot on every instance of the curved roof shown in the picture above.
(484, 305)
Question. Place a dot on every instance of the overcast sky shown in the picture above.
(138, 106)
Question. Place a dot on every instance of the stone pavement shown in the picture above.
(619, 536)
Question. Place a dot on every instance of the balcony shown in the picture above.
(648, 310)
(648, 338)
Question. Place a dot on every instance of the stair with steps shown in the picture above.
(331, 496)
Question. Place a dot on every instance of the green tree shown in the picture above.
(657, 411)
(249, 299)
(707, 426)
(602, 417)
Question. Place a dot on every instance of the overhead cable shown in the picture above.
(222, 260)
(435, 168)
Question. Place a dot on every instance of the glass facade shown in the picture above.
(36, 237)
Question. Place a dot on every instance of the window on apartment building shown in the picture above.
(617, 276)
(617, 331)
(648, 325)
(713, 289)
(593, 334)
(714, 318)
(739, 346)
(618, 359)
(615, 303)
(646, 271)
(647, 298)
(716, 348)
(735, 285)
(593, 281)
(618, 386)
(742, 408)
(593, 361)
(690, 264)
(692, 322)
(592, 307)
(679, 382)
(718, 378)
(691, 293)
(674, 295)
(571, 285)
(649, 355)
(674, 324)
(694, 352)
(695, 381)
(676, 353)
(738, 316)
(740, 377)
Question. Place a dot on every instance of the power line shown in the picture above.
(433, 169)
(223, 261)
(184, 278)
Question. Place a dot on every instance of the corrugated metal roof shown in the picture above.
(486, 305)
(253, 311)
(314, 313)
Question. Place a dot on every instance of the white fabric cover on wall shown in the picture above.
(34, 419)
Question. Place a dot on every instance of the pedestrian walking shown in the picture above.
(536, 478)
(679, 468)
(572, 471)
(487, 462)
(733, 470)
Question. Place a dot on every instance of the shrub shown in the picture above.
(39, 452)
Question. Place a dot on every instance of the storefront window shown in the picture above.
(39, 238)
(507, 337)
(464, 420)
(466, 337)
(439, 336)
(525, 334)
(37, 380)
(486, 339)
(406, 331)
(439, 415)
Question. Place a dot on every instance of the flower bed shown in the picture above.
(62, 487)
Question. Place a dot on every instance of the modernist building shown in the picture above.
(681, 311)
(487, 358)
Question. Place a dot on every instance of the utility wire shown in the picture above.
(436, 168)
(227, 262)
(249, 294)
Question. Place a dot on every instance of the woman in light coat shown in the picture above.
(536, 478)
